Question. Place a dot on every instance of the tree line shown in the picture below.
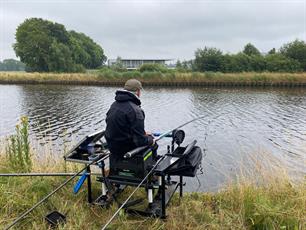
(11, 65)
(45, 46)
(291, 57)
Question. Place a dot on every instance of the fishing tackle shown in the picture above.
(141, 167)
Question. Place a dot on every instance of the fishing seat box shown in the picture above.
(131, 170)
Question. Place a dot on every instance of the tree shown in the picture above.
(86, 51)
(272, 51)
(208, 59)
(46, 46)
(279, 63)
(295, 50)
(118, 65)
(184, 66)
(250, 49)
(178, 64)
(237, 63)
(33, 42)
(11, 65)
(60, 58)
(257, 63)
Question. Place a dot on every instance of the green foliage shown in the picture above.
(250, 49)
(291, 58)
(257, 63)
(109, 73)
(153, 67)
(280, 63)
(236, 63)
(45, 46)
(131, 74)
(272, 51)
(118, 65)
(295, 50)
(11, 65)
(208, 59)
(59, 58)
(184, 66)
(152, 75)
(85, 51)
(18, 149)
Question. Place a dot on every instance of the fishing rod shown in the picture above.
(54, 191)
(139, 149)
(125, 202)
(43, 174)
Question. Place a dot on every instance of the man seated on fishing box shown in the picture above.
(125, 122)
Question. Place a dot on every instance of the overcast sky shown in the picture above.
(163, 28)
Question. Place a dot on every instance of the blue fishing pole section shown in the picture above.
(157, 134)
(80, 182)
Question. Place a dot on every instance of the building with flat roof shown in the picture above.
(132, 64)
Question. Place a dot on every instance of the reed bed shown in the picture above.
(171, 78)
(260, 196)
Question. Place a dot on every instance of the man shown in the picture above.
(125, 122)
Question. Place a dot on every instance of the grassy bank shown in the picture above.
(171, 78)
(243, 205)
(259, 198)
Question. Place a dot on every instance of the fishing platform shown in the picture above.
(160, 175)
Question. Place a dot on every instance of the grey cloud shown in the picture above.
(171, 29)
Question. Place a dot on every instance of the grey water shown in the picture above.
(240, 124)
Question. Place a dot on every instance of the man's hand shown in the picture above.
(150, 134)
(154, 141)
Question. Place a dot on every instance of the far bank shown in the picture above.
(175, 79)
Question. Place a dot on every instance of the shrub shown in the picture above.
(18, 149)
(280, 63)
(295, 50)
(151, 67)
(208, 59)
(108, 73)
(131, 74)
(151, 75)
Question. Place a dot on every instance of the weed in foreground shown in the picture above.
(18, 148)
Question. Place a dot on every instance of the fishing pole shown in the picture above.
(43, 174)
(139, 149)
(54, 191)
(125, 202)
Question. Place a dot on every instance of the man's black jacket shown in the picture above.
(125, 125)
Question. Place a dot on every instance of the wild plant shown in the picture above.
(18, 147)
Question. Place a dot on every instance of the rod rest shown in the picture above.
(184, 161)
(182, 151)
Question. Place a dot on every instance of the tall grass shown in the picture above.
(108, 76)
